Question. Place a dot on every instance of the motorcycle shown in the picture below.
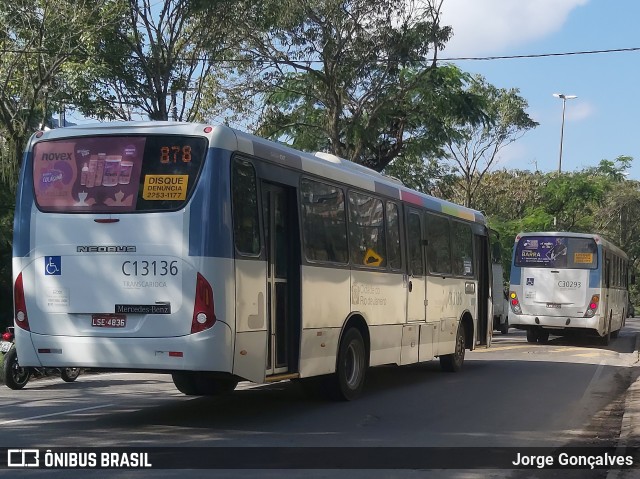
(16, 376)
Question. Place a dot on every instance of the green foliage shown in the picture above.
(509, 194)
(352, 77)
(428, 176)
(573, 200)
(154, 61)
(40, 40)
(6, 233)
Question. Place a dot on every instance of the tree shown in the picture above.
(618, 216)
(155, 62)
(429, 176)
(39, 40)
(352, 77)
(7, 203)
(508, 194)
(473, 147)
(506, 197)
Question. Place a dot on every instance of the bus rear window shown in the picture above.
(556, 252)
(116, 174)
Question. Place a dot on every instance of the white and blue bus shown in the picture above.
(567, 282)
(218, 256)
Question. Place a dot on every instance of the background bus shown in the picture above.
(218, 256)
(563, 282)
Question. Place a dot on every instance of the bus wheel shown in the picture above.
(606, 339)
(532, 335)
(543, 336)
(348, 381)
(452, 363)
(69, 375)
(504, 328)
(15, 376)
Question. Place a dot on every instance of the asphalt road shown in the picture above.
(568, 392)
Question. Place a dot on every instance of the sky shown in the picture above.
(603, 121)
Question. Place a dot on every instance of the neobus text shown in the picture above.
(106, 249)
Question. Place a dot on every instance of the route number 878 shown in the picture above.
(169, 154)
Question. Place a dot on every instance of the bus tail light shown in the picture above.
(593, 306)
(203, 311)
(20, 305)
(514, 302)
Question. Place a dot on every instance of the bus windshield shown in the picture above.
(556, 252)
(115, 174)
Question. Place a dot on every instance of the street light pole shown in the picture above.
(564, 104)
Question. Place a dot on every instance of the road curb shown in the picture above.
(631, 417)
(630, 426)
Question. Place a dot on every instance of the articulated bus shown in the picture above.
(217, 256)
(568, 282)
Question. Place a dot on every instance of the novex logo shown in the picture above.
(56, 156)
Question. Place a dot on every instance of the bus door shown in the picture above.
(416, 284)
(283, 281)
(250, 275)
(485, 308)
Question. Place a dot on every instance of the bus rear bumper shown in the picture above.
(209, 350)
(523, 321)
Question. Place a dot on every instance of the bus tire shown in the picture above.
(504, 328)
(15, 376)
(452, 363)
(606, 339)
(68, 375)
(532, 335)
(543, 336)
(351, 368)
(202, 384)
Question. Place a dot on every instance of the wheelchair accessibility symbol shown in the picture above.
(52, 265)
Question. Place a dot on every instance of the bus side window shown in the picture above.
(324, 225)
(462, 241)
(366, 230)
(439, 253)
(245, 208)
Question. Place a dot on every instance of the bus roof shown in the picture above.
(571, 234)
(322, 164)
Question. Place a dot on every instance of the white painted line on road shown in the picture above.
(54, 414)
